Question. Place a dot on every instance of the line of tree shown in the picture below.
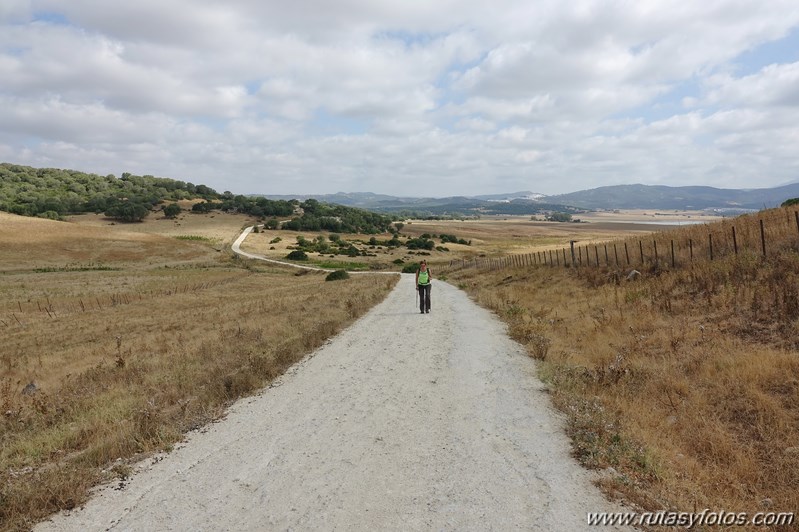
(54, 193)
(337, 219)
(254, 206)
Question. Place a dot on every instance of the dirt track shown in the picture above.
(402, 422)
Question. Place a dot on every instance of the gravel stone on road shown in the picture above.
(401, 422)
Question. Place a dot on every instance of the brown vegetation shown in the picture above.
(116, 343)
(682, 385)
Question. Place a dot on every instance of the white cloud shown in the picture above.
(442, 97)
(774, 85)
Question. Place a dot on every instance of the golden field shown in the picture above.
(118, 339)
(490, 236)
(681, 385)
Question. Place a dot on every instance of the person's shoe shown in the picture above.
(427, 311)
(421, 312)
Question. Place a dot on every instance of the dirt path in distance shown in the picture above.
(401, 422)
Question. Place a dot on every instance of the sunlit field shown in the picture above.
(680, 384)
(488, 237)
(117, 340)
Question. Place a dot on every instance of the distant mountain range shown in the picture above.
(516, 203)
(679, 198)
(602, 198)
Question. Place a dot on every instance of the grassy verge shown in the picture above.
(197, 238)
(681, 386)
(340, 265)
(77, 268)
(123, 363)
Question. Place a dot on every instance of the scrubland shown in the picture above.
(682, 384)
(116, 342)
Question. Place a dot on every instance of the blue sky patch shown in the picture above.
(781, 51)
(325, 123)
(51, 17)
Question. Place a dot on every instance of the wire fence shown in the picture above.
(762, 234)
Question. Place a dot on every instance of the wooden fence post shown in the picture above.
(655, 246)
(641, 249)
(735, 239)
(616, 253)
(672, 254)
(571, 242)
(627, 253)
(763, 237)
(710, 241)
(596, 250)
(691, 248)
(607, 260)
(550, 257)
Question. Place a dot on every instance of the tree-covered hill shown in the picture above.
(319, 216)
(52, 192)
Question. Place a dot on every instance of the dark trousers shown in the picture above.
(424, 297)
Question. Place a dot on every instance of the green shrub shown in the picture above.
(172, 210)
(420, 243)
(337, 275)
(297, 255)
(399, 261)
(127, 211)
(412, 267)
(50, 215)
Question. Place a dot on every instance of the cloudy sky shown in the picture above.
(405, 97)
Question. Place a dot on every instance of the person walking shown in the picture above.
(423, 279)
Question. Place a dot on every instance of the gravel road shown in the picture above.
(401, 422)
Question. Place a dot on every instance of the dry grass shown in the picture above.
(519, 234)
(379, 258)
(216, 226)
(126, 359)
(489, 236)
(683, 385)
(31, 243)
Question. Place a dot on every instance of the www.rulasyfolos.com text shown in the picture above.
(691, 520)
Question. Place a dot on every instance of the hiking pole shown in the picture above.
(416, 304)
